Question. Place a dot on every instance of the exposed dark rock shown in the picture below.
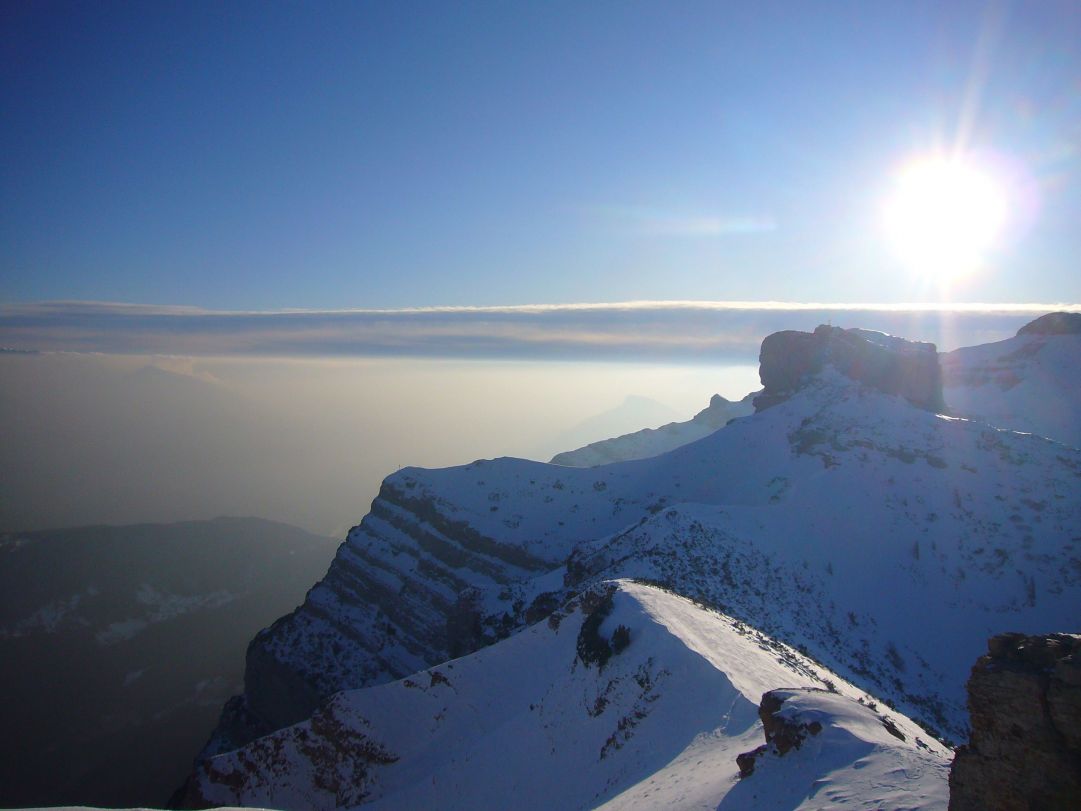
(1024, 752)
(340, 757)
(465, 631)
(892, 365)
(594, 649)
(782, 734)
(1053, 324)
(542, 606)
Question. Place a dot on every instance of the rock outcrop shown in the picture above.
(1024, 752)
(782, 734)
(891, 365)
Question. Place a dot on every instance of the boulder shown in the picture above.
(782, 734)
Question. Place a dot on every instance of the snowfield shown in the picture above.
(529, 724)
(1030, 383)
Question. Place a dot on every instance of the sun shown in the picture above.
(943, 216)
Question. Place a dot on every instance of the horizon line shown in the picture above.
(137, 308)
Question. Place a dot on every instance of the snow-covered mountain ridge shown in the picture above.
(1030, 382)
(654, 441)
(1026, 383)
(886, 540)
(539, 722)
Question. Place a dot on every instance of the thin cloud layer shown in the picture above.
(680, 331)
(651, 222)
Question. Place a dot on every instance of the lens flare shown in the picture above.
(944, 216)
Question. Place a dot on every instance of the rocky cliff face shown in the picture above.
(891, 365)
(402, 593)
(1024, 753)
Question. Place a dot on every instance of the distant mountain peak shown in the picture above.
(649, 442)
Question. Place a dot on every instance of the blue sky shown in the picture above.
(384, 155)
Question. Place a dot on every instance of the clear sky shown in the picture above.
(336, 155)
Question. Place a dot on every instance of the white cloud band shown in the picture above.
(680, 331)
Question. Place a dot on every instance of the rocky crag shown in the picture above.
(1024, 753)
(889, 364)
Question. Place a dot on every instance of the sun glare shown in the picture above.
(943, 216)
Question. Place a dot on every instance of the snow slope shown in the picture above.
(653, 441)
(534, 722)
(888, 541)
(1031, 382)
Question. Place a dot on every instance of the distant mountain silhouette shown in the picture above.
(119, 645)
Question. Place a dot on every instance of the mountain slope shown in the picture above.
(653, 441)
(846, 517)
(1026, 383)
(119, 645)
(887, 521)
(540, 721)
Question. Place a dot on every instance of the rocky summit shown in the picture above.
(887, 363)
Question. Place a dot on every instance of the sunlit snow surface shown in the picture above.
(1027, 383)
(526, 724)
